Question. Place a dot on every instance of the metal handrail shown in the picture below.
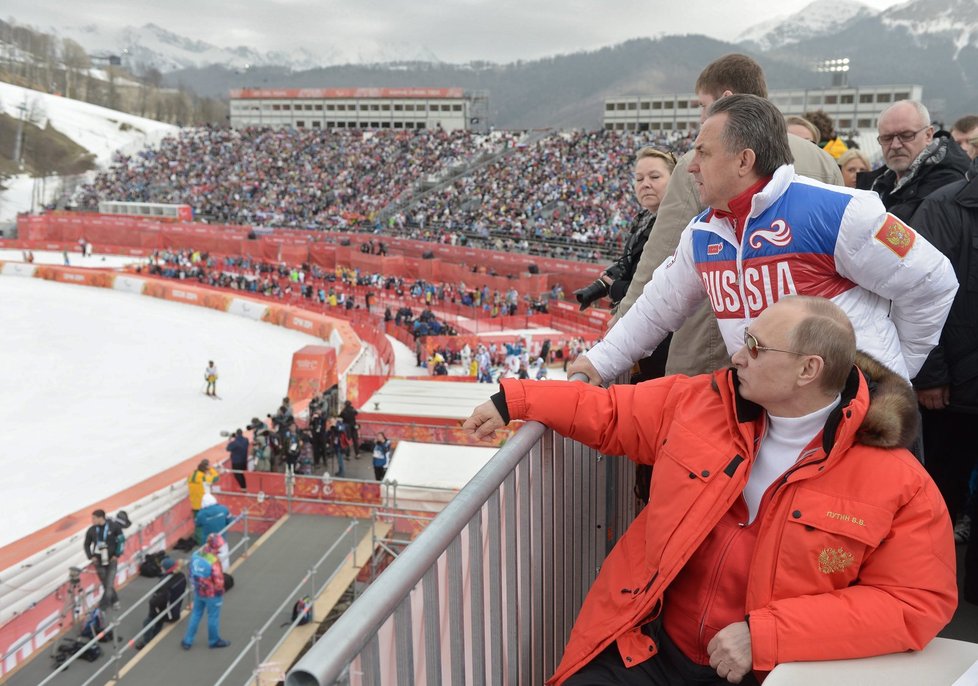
(256, 637)
(324, 663)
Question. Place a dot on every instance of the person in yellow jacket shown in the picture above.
(829, 140)
(200, 482)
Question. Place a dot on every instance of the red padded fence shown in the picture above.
(449, 263)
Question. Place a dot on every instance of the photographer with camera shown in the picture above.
(102, 548)
(653, 169)
(238, 448)
(261, 445)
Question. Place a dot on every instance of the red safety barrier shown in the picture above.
(409, 429)
(564, 311)
(323, 255)
(368, 330)
(297, 247)
(400, 333)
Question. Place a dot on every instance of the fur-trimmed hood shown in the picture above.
(892, 419)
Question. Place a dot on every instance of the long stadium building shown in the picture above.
(852, 108)
(360, 108)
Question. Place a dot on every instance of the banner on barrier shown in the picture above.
(128, 284)
(247, 308)
(298, 320)
(79, 277)
(188, 294)
(409, 430)
(18, 269)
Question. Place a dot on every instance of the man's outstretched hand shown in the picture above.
(484, 421)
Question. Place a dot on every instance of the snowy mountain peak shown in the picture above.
(815, 19)
(956, 20)
(152, 46)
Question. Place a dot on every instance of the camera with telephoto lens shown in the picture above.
(598, 288)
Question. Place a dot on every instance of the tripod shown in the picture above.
(74, 605)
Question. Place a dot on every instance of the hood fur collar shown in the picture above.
(892, 419)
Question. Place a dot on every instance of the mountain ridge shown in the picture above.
(933, 43)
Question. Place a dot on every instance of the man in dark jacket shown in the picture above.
(238, 447)
(167, 600)
(947, 385)
(317, 432)
(918, 162)
(349, 415)
(101, 545)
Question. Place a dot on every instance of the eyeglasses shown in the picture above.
(904, 136)
(753, 347)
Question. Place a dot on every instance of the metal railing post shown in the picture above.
(517, 548)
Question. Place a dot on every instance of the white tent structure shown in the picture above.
(436, 472)
(427, 398)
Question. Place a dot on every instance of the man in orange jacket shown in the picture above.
(786, 519)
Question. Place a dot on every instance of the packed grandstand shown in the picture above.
(559, 194)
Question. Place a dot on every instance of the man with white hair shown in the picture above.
(918, 160)
(786, 521)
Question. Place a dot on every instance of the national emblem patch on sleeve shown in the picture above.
(896, 236)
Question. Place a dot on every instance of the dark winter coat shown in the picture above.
(949, 220)
(238, 447)
(108, 532)
(941, 163)
(169, 595)
(349, 415)
(624, 269)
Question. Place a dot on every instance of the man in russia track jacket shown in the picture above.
(786, 521)
(769, 233)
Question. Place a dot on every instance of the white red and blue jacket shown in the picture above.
(802, 237)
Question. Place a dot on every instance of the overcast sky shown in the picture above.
(454, 30)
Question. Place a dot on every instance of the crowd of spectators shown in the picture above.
(565, 195)
(286, 177)
(573, 188)
(348, 289)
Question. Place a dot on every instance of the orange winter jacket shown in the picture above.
(854, 556)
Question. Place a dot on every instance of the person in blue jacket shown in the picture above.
(212, 518)
(207, 577)
(382, 455)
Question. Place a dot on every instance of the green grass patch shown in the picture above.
(43, 151)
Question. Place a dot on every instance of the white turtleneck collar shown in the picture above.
(781, 446)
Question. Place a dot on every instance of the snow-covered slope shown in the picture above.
(99, 130)
(956, 20)
(818, 18)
